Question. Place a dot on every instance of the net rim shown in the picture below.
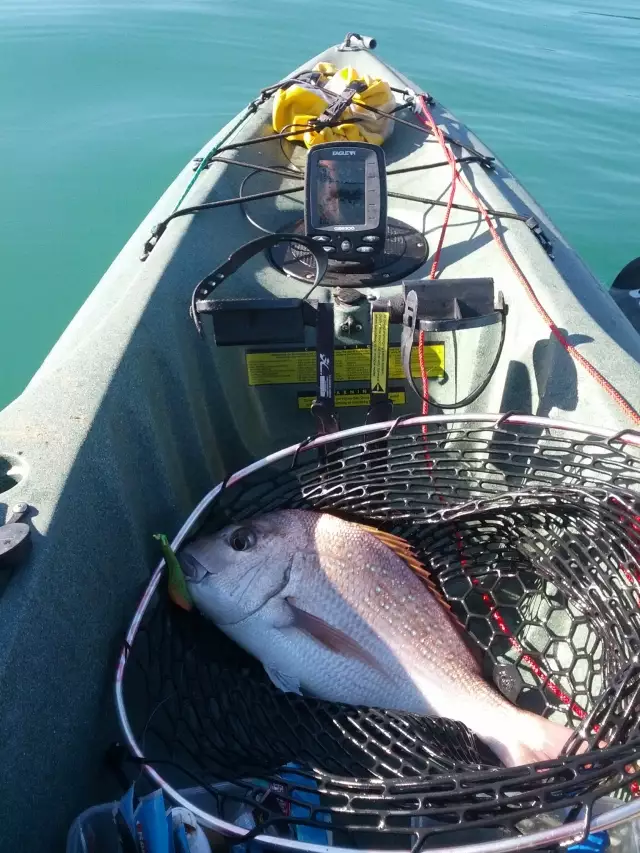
(564, 834)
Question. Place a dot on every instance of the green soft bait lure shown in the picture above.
(178, 591)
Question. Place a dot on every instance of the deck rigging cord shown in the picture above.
(424, 114)
(159, 229)
(435, 270)
(427, 125)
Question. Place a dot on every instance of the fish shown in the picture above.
(338, 610)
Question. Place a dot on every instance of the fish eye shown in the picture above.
(242, 539)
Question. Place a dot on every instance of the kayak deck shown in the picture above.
(132, 417)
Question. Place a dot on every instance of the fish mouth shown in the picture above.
(193, 570)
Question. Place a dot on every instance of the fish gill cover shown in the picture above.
(531, 536)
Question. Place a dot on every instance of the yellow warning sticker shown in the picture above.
(351, 365)
(281, 368)
(353, 398)
(379, 351)
(433, 362)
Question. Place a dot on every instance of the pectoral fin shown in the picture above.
(286, 683)
(330, 637)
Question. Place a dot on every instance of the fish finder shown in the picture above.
(346, 199)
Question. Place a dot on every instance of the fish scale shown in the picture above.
(346, 613)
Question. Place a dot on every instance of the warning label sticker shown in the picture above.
(351, 365)
(281, 368)
(433, 362)
(353, 398)
(379, 351)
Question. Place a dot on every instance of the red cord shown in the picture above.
(456, 178)
(452, 193)
(529, 661)
(434, 272)
(425, 391)
(427, 119)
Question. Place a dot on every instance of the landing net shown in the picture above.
(531, 529)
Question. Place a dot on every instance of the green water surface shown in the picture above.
(102, 102)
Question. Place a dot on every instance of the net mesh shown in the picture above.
(533, 538)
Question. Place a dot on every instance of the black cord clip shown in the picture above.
(323, 407)
(409, 324)
(156, 233)
(115, 757)
(430, 100)
(535, 227)
(333, 112)
(325, 414)
(197, 162)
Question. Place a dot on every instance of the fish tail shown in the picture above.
(530, 740)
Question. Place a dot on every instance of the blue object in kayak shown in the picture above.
(594, 843)
(310, 834)
(151, 824)
(300, 810)
(180, 840)
(126, 807)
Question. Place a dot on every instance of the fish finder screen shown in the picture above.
(341, 192)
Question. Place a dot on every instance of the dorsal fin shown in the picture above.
(406, 553)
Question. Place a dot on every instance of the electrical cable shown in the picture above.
(473, 395)
(249, 219)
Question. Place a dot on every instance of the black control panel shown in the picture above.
(346, 199)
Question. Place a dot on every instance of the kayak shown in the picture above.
(173, 375)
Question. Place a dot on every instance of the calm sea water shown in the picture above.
(102, 102)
